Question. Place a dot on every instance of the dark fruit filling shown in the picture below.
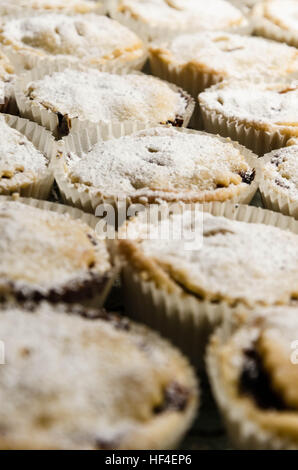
(255, 382)
(248, 176)
(177, 123)
(175, 398)
(76, 292)
(64, 125)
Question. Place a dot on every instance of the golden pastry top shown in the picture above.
(278, 13)
(101, 97)
(228, 260)
(91, 38)
(264, 104)
(20, 161)
(45, 251)
(168, 16)
(227, 55)
(162, 163)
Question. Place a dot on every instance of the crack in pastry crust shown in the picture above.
(277, 19)
(137, 390)
(46, 255)
(282, 14)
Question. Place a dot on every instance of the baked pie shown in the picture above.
(87, 379)
(26, 153)
(70, 100)
(184, 270)
(91, 40)
(49, 255)
(159, 164)
(278, 20)
(197, 61)
(70, 6)
(259, 114)
(158, 18)
(279, 181)
(215, 272)
(253, 373)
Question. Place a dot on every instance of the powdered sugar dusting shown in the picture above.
(159, 160)
(252, 263)
(283, 13)
(41, 249)
(185, 15)
(88, 37)
(268, 103)
(230, 55)
(104, 97)
(281, 172)
(78, 6)
(20, 161)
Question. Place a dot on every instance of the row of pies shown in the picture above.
(193, 61)
(151, 20)
(265, 71)
(240, 271)
(72, 376)
(49, 32)
(148, 166)
(154, 19)
(76, 377)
